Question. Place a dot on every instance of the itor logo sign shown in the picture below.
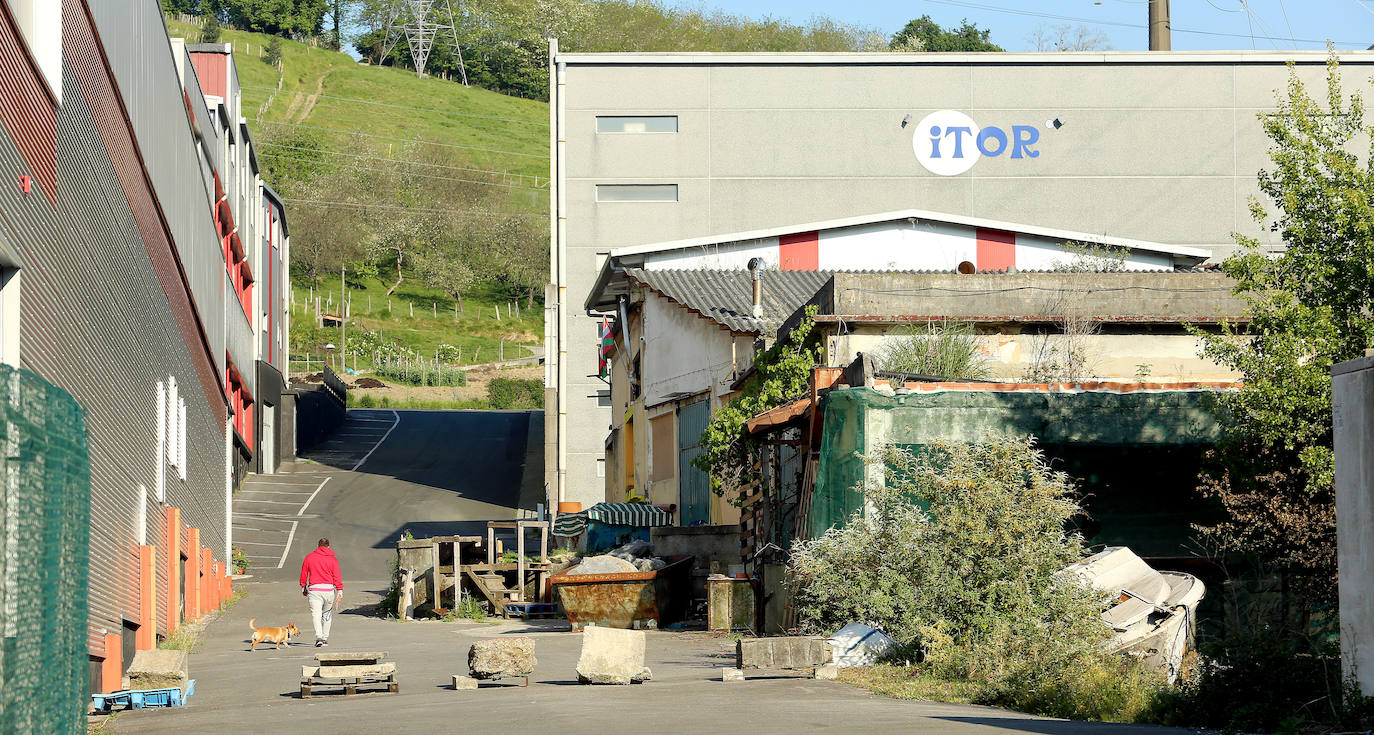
(948, 142)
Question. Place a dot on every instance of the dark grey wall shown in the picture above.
(95, 321)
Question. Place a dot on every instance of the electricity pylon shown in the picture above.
(421, 21)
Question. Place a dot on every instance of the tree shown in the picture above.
(1309, 307)
(210, 29)
(290, 18)
(1064, 37)
(338, 12)
(446, 273)
(924, 34)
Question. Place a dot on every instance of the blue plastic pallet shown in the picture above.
(531, 609)
(140, 698)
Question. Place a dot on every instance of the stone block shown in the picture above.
(729, 674)
(781, 653)
(828, 672)
(500, 657)
(464, 682)
(158, 669)
(611, 656)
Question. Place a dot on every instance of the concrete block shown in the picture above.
(348, 671)
(464, 682)
(781, 653)
(729, 674)
(610, 656)
(158, 669)
(828, 672)
(499, 657)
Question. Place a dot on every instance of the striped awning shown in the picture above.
(614, 514)
(629, 514)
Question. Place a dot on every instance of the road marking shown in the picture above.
(284, 484)
(269, 502)
(395, 421)
(279, 492)
(257, 543)
(292, 535)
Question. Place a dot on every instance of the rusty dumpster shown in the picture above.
(635, 600)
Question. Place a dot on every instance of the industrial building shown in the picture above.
(703, 150)
(144, 274)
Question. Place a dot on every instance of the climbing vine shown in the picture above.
(781, 374)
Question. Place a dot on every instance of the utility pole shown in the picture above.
(343, 323)
(1159, 25)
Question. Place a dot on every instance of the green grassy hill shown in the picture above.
(327, 93)
(481, 137)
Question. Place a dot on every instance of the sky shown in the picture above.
(1281, 24)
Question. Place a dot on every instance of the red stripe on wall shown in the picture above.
(27, 109)
(996, 249)
(799, 252)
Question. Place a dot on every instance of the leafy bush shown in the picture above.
(210, 29)
(945, 349)
(958, 559)
(273, 56)
(514, 393)
(419, 372)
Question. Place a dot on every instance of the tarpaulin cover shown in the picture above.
(614, 514)
(44, 553)
(858, 421)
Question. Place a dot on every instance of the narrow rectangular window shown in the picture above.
(141, 516)
(636, 192)
(636, 123)
(181, 440)
(600, 467)
(161, 442)
(172, 432)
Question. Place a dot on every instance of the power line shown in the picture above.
(455, 212)
(404, 107)
(424, 176)
(333, 152)
(1097, 21)
(392, 137)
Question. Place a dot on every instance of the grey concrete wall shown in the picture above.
(1154, 146)
(1353, 405)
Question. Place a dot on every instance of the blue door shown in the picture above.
(694, 487)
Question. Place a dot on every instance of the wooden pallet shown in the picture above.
(384, 685)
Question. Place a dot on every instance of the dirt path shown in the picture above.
(312, 99)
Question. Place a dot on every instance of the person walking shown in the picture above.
(322, 585)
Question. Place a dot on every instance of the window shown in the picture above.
(181, 440)
(601, 467)
(141, 516)
(603, 398)
(636, 192)
(161, 472)
(9, 316)
(40, 21)
(173, 453)
(636, 123)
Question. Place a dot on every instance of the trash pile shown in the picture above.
(636, 556)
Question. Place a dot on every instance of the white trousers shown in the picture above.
(321, 612)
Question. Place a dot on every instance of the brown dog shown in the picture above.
(272, 635)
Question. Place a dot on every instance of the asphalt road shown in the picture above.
(435, 472)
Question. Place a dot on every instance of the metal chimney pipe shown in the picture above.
(755, 267)
(1159, 25)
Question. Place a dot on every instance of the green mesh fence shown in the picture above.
(1142, 424)
(45, 491)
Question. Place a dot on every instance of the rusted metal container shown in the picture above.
(635, 600)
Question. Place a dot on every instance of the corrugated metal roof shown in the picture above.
(726, 296)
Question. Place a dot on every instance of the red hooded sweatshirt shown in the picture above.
(321, 569)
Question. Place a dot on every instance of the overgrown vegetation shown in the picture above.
(515, 393)
(1309, 308)
(958, 558)
(945, 349)
(240, 561)
(781, 374)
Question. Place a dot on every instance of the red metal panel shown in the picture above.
(996, 249)
(800, 252)
(211, 71)
(27, 108)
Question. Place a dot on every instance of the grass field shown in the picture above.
(327, 93)
(476, 330)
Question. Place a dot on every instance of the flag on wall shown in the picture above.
(603, 362)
